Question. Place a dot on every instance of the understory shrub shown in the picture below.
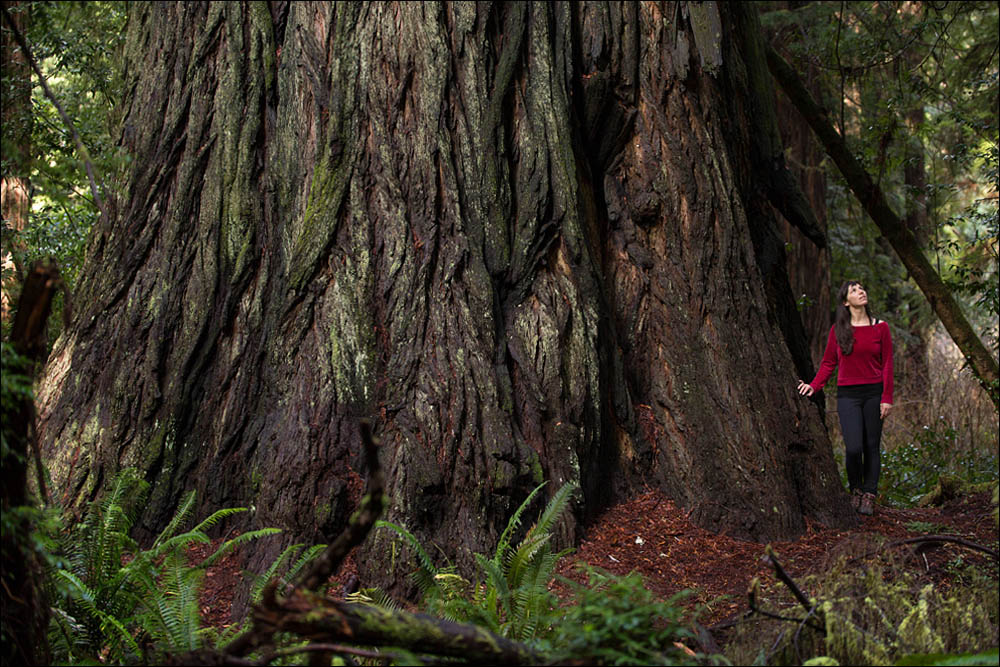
(911, 470)
(116, 603)
(877, 614)
(612, 620)
(615, 620)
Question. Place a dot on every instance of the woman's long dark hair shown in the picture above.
(842, 321)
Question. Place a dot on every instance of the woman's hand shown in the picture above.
(884, 409)
(806, 390)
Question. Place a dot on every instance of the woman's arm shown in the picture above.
(825, 367)
(887, 370)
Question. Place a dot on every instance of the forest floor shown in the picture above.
(649, 534)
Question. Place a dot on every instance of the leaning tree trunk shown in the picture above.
(525, 238)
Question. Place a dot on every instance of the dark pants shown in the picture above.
(858, 407)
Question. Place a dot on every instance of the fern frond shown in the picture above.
(260, 581)
(497, 591)
(66, 637)
(520, 560)
(179, 543)
(217, 516)
(504, 543)
(374, 597)
(120, 632)
(553, 510)
(304, 559)
(237, 541)
(425, 560)
(182, 514)
(78, 589)
(172, 617)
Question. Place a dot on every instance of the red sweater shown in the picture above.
(869, 362)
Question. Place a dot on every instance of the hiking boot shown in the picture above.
(856, 499)
(867, 504)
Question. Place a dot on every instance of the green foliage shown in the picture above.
(881, 615)
(971, 241)
(15, 389)
(913, 89)
(283, 570)
(119, 603)
(510, 596)
(985, 658)
(74, 44)
(911, 470)
(927, 527)
(615, 620)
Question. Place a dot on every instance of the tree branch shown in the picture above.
(946, 538)
(752, 600)
(771, 559)
(321, 619)
(902, 239)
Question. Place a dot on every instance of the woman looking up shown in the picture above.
(860, 346)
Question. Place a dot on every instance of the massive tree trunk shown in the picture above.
(529, 239)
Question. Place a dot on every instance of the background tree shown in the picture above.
(72, 43)
(532, 240)
(15, 154)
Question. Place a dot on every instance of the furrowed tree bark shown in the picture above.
(893, 228)
(526, 239)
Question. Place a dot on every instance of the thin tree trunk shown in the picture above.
(893, 228)
(526, 239)
(915, 364)
(25, 609)
(15, 198)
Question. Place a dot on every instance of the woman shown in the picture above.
(861, 346)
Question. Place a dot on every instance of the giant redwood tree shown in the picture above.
(532, 241)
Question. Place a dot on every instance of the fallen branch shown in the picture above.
(321, 619)
(946, 538)
(771, 559)
(752, 599)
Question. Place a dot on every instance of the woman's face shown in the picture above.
(856, 296)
